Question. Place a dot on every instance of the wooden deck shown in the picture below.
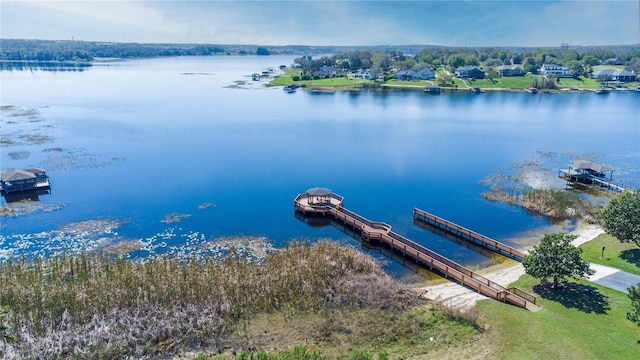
(379, 231)
(469, 235)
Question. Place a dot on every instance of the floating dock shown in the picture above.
(323, 202)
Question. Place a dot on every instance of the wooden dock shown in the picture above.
(325, 203)
(470, 235)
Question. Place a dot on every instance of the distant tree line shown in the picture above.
(378, 59)
(579, 62)
(81, 51)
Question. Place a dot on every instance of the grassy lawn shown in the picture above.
(287, 78)
(414, 83)
(623, 256)
(582, 82)
(583, 321)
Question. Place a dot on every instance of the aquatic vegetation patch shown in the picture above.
(19, 155)
(252, 248)
(534, 186)
(54, 149)
(63, 160)
(174, 218)
(124, 247)
(27, 207)
(205, 205)
(72, 238)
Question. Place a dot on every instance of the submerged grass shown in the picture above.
(97, 306)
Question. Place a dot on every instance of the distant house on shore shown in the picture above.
(511, 70)
(623, 75)
(613, 61)
(608, 74)
(327, 71)
(555, 70)
(407, 75)
(469, 72)
(366, 74)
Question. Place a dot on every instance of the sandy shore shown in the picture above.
(454, 295)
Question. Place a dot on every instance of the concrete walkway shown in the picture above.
(613, 278)
(605, 275)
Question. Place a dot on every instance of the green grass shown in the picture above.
(336, 82)
(623, 256)
(586, 323)
(581, 83)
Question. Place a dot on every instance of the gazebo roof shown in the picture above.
(585, 164)
(319, 191)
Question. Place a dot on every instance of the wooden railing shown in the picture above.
(382, 231)
(468, 234)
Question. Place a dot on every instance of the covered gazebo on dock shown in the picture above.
(319, 196)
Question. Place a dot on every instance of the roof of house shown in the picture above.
(606, 71)
(511, 67)
(623, 72)
(554, 66)
(469, 68)
(16, 175)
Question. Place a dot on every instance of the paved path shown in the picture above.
(605, 275)
(613, 278)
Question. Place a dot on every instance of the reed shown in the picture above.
(99, 306)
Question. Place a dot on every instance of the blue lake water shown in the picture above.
(137, 140)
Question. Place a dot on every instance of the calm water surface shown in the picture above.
(138, 140)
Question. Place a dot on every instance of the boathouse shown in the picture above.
(17, 180)
(583, 172)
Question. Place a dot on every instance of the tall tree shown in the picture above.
(634, 295)
(622, 217)
(557, 258)
(456, 61)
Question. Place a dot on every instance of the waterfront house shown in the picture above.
(327, 71)
(623, 75)
(511, 70)
(405, 75)
(469, 72)
(555, 70)
(424, 74)
(608, 74)
(603, 74)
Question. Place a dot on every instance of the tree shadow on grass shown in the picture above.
(585, 298)
(631, 256)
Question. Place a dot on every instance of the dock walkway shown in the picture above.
(332, 205)
(469, 235)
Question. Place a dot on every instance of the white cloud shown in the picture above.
(453, 23)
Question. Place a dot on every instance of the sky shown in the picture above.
(473, 23)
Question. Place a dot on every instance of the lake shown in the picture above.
(127, 143)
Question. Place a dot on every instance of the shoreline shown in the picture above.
(452, 294)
